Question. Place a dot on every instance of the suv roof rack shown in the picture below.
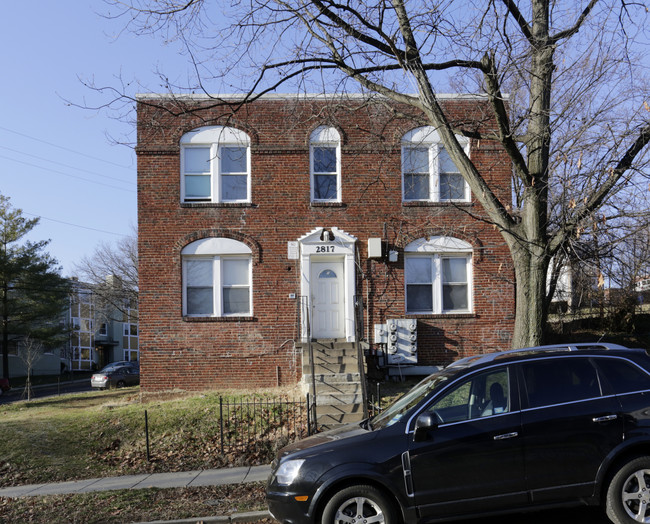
(480, 359)
(570, 347)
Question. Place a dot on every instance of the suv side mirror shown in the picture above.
(423, 424)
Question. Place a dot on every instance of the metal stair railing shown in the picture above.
(358, 308)
(306, 320)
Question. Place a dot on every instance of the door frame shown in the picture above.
(320, 245)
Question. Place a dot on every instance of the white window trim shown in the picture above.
(437, 249)
(429, 138)
(217, 250)
(215, 137)
(324, 136)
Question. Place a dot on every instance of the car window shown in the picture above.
(624, 376)
(402, 406)
(557, 381)
(482, 395)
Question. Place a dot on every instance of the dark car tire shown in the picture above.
(120, 384)
(367, 499)
(628, 487)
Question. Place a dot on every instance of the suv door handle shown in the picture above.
(506, 436)
(605, 418)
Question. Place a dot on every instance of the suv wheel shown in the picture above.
(359, 504)
(628, 494)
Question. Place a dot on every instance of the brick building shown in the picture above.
(311, 218)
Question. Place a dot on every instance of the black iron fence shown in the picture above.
(244, 427)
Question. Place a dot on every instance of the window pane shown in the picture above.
(455, 405)
(624, 377)
(199, 273)
(552, 382)
(235, 272)
(418, 270)
(233, 160)
(496, 399)
(325, 187)
(484, 395)
(454, 270)
(197, 186)
(236, 300)
(445, 163)
(452, 187)
(324, 159)
(416, 187)
(234, 187)
(199, 301)
(419, 298)
(197, 159)
(454, 297)
(415, 160)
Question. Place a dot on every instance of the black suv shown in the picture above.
(493, 433)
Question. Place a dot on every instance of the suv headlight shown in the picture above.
(288, 471)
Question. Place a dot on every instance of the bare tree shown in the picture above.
(575, 126)
(112, 274)
(30, 351)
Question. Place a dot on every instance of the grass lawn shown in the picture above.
(102, 433)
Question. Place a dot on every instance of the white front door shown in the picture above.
(327, 298)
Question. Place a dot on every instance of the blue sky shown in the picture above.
(57, 160)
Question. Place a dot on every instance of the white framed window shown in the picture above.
(215, 165)
(428, 172)
(217, 278)
(325, 164)
(438, 276)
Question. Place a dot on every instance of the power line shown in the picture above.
(64, 148)
(67, 174)
(75, 225)
(65, 165)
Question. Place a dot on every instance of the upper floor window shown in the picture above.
(438, 274)
(215, 165)
(217, 278)
(428, 172)
(325, 164)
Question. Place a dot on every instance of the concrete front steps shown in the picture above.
(339, 392)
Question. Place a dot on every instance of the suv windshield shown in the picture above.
(396, 411)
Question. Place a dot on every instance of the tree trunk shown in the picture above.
(530, 296)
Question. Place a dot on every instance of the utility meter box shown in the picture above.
(402, 343)
(375, 248)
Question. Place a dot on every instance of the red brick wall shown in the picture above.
(193, 354)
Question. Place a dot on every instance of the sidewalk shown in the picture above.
(209, 477)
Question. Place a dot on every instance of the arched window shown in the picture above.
(217, 278)
(438, 275)
(428, 173)
(325, 164)
(215, 165)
